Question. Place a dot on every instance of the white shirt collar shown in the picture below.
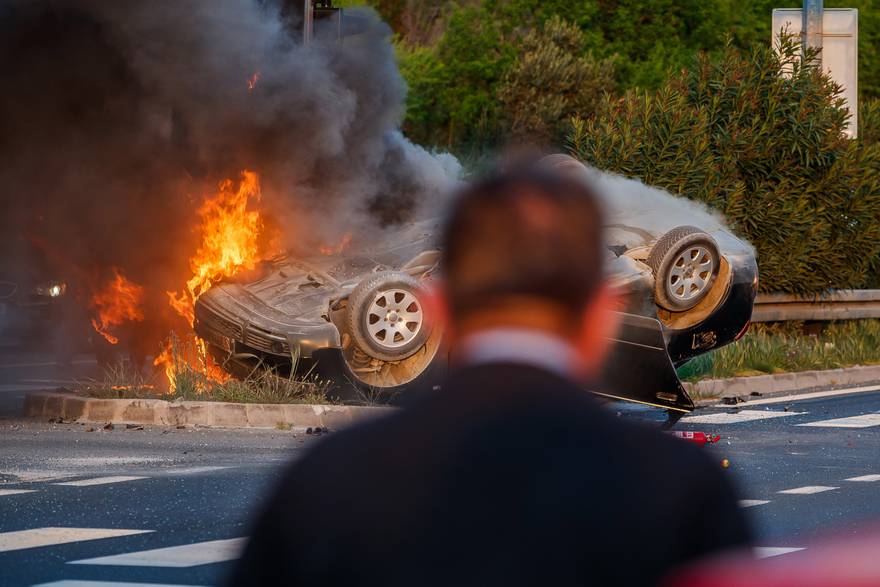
(521, 346)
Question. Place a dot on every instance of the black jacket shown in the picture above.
(510, 476)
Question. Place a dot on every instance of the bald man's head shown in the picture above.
(530, 235)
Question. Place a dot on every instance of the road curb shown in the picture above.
(782, 382)
(69, 406)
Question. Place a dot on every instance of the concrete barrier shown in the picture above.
(69, 406)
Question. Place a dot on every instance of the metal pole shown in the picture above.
(811, 28)
(308, 22)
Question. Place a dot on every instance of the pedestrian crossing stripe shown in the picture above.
(737, 417)
(865, 478)
(808, 490)
(195, 470)
(862, 421)
(51, 536)
(15, 491)
(187, 555)
(750, 503)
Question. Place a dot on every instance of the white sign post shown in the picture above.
(840, 50)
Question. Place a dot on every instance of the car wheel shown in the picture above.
(386, 316)
(685, 262)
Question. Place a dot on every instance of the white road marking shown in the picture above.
(750, 503)
(865, 478)
(194, 470)
(187, 555)
(38, 475)
(807, 490)
(862, 421)
(737, 417)
(99, 462)
(15, 491)
(37, 537)
(803, 396)
(768, 551)
(76, 583)
(99, 481)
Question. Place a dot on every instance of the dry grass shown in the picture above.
(120, 380)
(263, 386)
(192, 380)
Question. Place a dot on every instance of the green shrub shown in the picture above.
(765, 149)
(550, 81)
(869, 121)
(452, 98)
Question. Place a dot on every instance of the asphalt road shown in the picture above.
(169, 506)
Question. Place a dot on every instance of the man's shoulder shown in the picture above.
(488, 403)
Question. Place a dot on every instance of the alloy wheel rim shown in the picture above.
(691, 273)
(394, 318)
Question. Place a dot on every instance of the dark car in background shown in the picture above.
(29, 308)
(360, 319)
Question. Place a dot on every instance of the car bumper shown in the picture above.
(231, 325)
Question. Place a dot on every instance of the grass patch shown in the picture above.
(790, 347)
(120, 380)
(196, 378)
(263, 386)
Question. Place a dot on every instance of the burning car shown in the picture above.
(359, 318)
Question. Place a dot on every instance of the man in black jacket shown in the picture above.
(512, 474)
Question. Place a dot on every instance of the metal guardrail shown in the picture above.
(836, 305)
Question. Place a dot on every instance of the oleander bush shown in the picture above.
(759, 137)
(552, 79)
(472, 45)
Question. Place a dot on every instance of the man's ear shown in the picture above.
(436, 307)
(599, 323)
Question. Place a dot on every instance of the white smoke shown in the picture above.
(638, 213)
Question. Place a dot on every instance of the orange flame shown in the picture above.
(117, 302)
(337, 249)
(230, 242)
(252, 81)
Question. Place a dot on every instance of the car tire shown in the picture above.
(349, 388)
(685, 262)
(386, 316)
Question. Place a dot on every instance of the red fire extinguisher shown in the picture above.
(700, 438)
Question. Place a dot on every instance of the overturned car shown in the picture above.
(360, 320)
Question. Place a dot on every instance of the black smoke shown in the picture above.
(117, 116)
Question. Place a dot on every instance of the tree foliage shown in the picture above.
(455, 101)
(758, 136)
(470, 46)
(452, 99)
(551, 80)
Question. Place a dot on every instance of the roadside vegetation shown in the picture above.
(759, 137)
(458, 56)
(685, 95)
(193, 378)
(790, 347)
